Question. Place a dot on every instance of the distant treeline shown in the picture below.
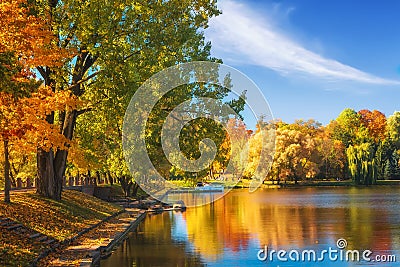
(363, 146)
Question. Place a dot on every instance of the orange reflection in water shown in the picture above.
(288, 219)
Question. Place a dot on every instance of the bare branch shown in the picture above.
(42, 71)
(94, 74)
(131, 55)
(82, 111)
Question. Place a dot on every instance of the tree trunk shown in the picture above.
(48, 184)
(211, 173)
(51, 168)
(7, 181)
(110, 178)
(12, 178)
(135, 189)
(126, 184)
(98, 177)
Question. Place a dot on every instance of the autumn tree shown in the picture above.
(263, 138)
(296, 154)
(363, 133)
(238, 139)
(333, 156)
(23, 124)
(24, 42)
(375, 122)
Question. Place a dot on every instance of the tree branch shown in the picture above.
(84, 80)
(69, 36)
(42, 71)
(89, 61)
(131, 55)
(82, 111)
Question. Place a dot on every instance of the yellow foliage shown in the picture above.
(28, 36)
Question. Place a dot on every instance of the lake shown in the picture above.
(242, 228)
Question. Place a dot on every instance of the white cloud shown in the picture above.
(244, 36)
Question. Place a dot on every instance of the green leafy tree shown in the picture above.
(194, 131)
(392, 167)
(118, 45)
(362, 163)
(393, 129)
(345, 127)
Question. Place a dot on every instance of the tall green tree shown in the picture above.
(344, 128)
(362, 163)
(393, 129)
(392, 167)
(118, 45)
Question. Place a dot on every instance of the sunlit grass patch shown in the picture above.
(57, 219)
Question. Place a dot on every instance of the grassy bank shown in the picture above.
(388, 182)
(245, 183)
(58, 220)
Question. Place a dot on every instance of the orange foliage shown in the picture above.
(24, 107)
(28, 36)
(375, 122)
(24, 118)
(80, 158)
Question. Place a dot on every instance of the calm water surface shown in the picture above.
(231, 231)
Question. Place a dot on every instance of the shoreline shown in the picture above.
(105, 250)
(85, 251)
(306, 184)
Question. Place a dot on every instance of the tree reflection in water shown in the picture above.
(230, 231)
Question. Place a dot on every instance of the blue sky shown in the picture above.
(314, 58)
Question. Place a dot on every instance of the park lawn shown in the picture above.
(59, 220)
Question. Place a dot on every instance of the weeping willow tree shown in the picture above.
(362, 163)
